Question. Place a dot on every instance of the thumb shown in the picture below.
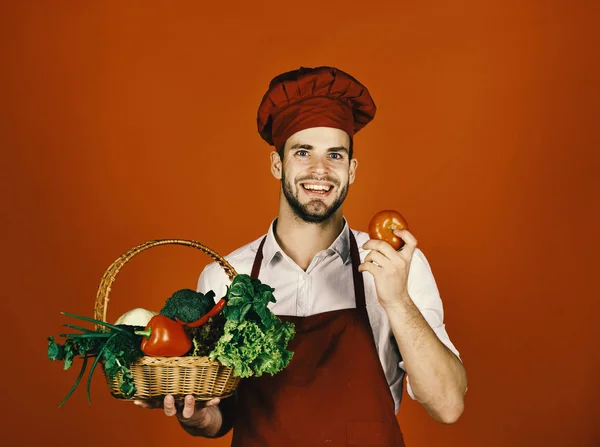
(213, 402)
(149, 404)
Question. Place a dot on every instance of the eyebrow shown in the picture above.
(309, 147)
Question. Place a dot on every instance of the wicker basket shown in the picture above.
(155, 377)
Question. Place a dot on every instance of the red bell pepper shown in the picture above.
(216, 310)
(164, 338)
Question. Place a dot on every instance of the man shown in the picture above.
(365, 314)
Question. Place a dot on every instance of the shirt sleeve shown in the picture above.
(424, 292)
(203, 282)
(214, 278)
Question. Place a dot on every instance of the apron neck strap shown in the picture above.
(258, 260)
(359, 286)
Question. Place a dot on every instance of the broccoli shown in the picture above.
(188, 305)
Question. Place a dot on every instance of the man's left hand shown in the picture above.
(390, 268)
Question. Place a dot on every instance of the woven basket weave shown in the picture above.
(155, 377)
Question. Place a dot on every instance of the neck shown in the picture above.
(301, 240)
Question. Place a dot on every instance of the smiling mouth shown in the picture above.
(316, 189)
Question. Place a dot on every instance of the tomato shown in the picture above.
(384, 223)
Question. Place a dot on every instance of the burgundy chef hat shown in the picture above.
(313, 97)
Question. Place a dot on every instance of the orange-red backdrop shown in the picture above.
(123, 122)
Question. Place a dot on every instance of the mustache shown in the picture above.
(319, 179)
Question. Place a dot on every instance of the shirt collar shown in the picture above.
(340, 246)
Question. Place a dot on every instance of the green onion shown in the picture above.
(98, 322)
(85, 359)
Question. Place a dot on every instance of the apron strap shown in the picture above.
(258, 260)
(359, 286)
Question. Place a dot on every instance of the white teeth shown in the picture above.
(318, 187)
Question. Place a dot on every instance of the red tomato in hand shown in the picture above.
(384, 223)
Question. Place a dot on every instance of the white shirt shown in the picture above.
(328, 285)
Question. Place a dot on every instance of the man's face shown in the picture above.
(315, 172)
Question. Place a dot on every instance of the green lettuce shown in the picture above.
(255, 340)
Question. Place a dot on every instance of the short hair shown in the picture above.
(350, 149)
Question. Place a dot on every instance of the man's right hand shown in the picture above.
(201, 418)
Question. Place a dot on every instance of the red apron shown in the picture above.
(334, 391)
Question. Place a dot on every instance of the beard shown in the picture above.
(315, 211)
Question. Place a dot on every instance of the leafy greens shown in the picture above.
(254, 340)
(117, 348)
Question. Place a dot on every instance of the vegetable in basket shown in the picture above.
(163, 337)
(239, 331)
(135, 317)
(188, 305)
(206, 336)
(216, 310)
(199, 314)
(255, 339)
(117, 347)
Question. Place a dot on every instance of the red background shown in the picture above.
(123, 122)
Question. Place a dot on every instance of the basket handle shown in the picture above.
(101, 305)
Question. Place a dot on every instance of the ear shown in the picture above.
(352, 170)
(276, 165)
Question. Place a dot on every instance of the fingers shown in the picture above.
(377, 257)
(369, 267)
(407, 250)
(213, 402)
(381, 246)
(410, 242)
(189, 407)
(169, 405)
(382, 254)
(150, 404)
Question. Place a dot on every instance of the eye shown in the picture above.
(302, 153)
(336, 155)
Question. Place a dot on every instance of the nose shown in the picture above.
(319, 165)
